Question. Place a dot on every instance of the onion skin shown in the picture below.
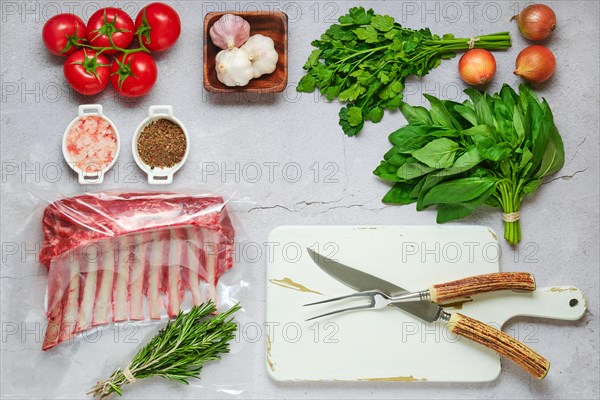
(535, 64)
(536, 22)
(477, 67)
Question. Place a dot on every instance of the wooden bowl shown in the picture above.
(272, 24)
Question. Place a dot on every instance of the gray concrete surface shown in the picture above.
(308, 173)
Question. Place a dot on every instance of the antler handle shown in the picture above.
(482, 284)
(501, 343)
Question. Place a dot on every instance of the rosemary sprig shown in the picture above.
(178, 351)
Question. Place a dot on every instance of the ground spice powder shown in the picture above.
(162, 144)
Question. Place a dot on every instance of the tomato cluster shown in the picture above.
(109, 32)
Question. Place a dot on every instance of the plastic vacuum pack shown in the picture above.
(119, 265)
(131, 256)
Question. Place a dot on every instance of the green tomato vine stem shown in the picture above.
(113, 46)
(141, 49)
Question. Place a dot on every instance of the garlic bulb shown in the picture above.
(230, 31)
(234, 67)
(263, 55)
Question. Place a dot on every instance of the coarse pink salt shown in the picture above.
(91, 144)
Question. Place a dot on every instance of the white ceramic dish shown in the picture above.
(85, 177)
(159, 176)
(388, 344)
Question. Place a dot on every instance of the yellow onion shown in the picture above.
(536, 22)
(535, 64)
(477, 67)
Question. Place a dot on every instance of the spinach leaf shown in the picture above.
(539, 133)
(438, 153)
(492, 149)
(450, 212)
(482, 107)
(387, 171)
(398, 159)
(399, 194)
(415, 191)
(518, 124)
(463, 163)
(410, 137)
(509, 96)
(468, 113)
(437, 131)
(413, 170)
(415, 114)
(440, 115)
(554, 154)
(481, 130)
(458, 190)
(430, 181)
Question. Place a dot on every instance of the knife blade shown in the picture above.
(460, 324)
(361, 281)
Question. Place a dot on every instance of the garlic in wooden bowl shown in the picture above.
(269, 24)
(230, 31)
(262, 54)
(234, 67)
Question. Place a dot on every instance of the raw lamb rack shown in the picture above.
(130, 256)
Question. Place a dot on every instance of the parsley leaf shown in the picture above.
(366, 57)
(348, 128)
(357, 15)
(382, 23)
(307, 84)
(355, 116)
(368, 34)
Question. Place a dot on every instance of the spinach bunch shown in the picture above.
(365, 59)
(494, 150)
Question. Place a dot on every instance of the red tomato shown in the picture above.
(110, 22)
(159, 26)
(61, 32)
(87, 72)
(133, 75)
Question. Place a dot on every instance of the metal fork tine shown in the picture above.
(340, 311)
(358, 294)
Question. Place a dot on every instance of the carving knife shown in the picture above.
(460, 324)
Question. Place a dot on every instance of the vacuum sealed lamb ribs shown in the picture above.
(115, 257)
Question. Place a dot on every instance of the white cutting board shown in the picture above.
(389, 344)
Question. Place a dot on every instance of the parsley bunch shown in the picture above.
(365, 59)
(491, 149)
(178, 351)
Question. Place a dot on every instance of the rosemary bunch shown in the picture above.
(178, 351)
